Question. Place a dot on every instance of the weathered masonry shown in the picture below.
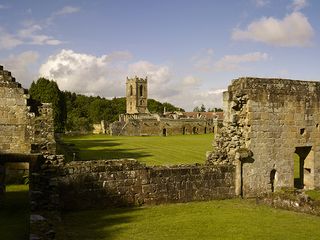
(26, 126)
(267, 122)
(125, 182)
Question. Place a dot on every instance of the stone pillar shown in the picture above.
(238, 178)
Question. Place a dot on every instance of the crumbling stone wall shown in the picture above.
(26, 126)
(105, 183)
(266, 122)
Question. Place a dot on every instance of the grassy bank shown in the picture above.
(150, 150)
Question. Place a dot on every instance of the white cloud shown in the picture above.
(3, 7)
(293, 30)
(297, 5)
(204, 59)
(159, 78)
(67, 10)
(261, 3)
(106, 75)
(191, 81)
(8, 41)
(87, 74)
(20, 66)
(207, 63)
(232, 62)
(31, 34)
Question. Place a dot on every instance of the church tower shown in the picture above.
(137, 95)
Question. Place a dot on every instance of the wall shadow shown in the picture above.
(89, 150)
(96, 224)
(14, 215)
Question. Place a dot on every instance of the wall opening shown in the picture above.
(205, 130)
(304, 168)
(141, 90)
(164, 132)
(131, 90)
(194, 130)
(183, 130)
(273, 179)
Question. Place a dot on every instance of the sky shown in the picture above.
(190, 50)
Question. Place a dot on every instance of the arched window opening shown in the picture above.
(131, 90)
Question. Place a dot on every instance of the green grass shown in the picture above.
(150, 150)
(313, 194)
(228, 219)
(14, 213)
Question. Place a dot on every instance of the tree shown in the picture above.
(46, 91)
(202, 108)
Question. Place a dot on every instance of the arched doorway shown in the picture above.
(164, 132)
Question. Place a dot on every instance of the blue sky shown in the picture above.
(190, 50)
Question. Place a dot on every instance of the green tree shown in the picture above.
(46, 91)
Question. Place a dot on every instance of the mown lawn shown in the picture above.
(227, 219)
(14, 213)
(150, 150)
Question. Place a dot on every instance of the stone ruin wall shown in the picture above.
(108, 183)
(266, 122)
(26, 126)
(154, 127)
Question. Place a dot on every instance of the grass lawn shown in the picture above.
(228, 219)
(150, 150)
(14, 213)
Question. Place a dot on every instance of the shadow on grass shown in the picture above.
(96, 224)
(98, 149)
(14, 215)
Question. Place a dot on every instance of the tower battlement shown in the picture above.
(137, 95)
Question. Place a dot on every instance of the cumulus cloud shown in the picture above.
(293, 30)
(232, 62)
(21, 66)
(87, 74)
(104, 75)
(191, 81)
(159, 78)
(297, 5)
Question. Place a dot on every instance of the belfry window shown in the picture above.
(131, 90)
(141, 90)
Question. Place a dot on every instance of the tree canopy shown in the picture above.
(46, 91)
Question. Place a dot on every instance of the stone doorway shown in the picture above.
(304, 168)
(164, 132)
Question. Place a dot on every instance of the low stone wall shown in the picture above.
(108, 183)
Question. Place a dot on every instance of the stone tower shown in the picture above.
(137, 95)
